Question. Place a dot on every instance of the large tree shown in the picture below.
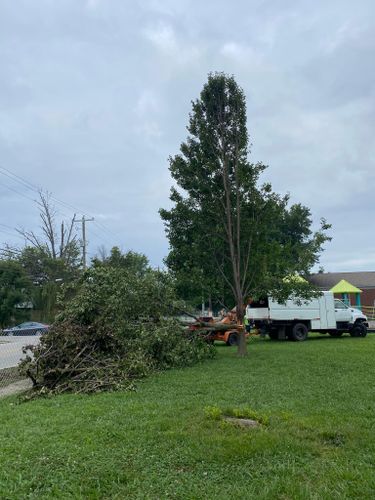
(223, 227)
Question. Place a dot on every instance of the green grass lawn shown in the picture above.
(158, 442)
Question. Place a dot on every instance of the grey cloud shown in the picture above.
(95, 95)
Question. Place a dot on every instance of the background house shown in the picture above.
(364, 280)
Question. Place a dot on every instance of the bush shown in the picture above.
(117, 328)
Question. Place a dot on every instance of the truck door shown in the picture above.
(342, 312)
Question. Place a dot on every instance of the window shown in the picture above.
(340, 305)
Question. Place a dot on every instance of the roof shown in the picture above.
(344, 286)
(325, 281)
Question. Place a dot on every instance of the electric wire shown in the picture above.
(21, 180)
(14, 235)
(5, 225)
(18, 192)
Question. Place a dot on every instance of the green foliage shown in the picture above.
(14, 291)
(47, 274)
(115, 329)
(229, 236)
(42, 268)
(113, 296)
(134, 262)
(44, 298)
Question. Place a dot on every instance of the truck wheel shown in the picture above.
(232, 339)
(335, 334)
(299, 332)
(358, 330)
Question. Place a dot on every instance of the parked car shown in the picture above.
(28, 328)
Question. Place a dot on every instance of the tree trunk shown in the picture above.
(242, 345)
(210, 312)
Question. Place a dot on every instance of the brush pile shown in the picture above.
(116, 328)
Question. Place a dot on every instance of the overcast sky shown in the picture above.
(95, 95)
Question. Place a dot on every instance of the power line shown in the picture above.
(21, 180)
(104, 228)
(18, 192)
(35, 189)
(29, 185)
(8, 173)
(99, 236)
(11, 234)
(8, 227)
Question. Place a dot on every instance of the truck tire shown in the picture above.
(232, 339)
(299, 332)
(358, 330)
(336, 334)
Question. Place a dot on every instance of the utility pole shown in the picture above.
(84, 241)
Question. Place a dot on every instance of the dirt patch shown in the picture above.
(242, 422)
(333, 438)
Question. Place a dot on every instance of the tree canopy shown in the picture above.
(132, 261)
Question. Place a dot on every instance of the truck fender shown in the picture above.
(227, 333)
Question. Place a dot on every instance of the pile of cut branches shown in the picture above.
(77, 358)
(112, 332)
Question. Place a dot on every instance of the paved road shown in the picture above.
(11, 349)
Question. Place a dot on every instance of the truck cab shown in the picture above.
(346, 314)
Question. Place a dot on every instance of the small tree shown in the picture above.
(222, 224)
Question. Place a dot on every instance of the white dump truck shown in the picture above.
(294, 319)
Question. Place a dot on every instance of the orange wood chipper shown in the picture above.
(226, 329)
